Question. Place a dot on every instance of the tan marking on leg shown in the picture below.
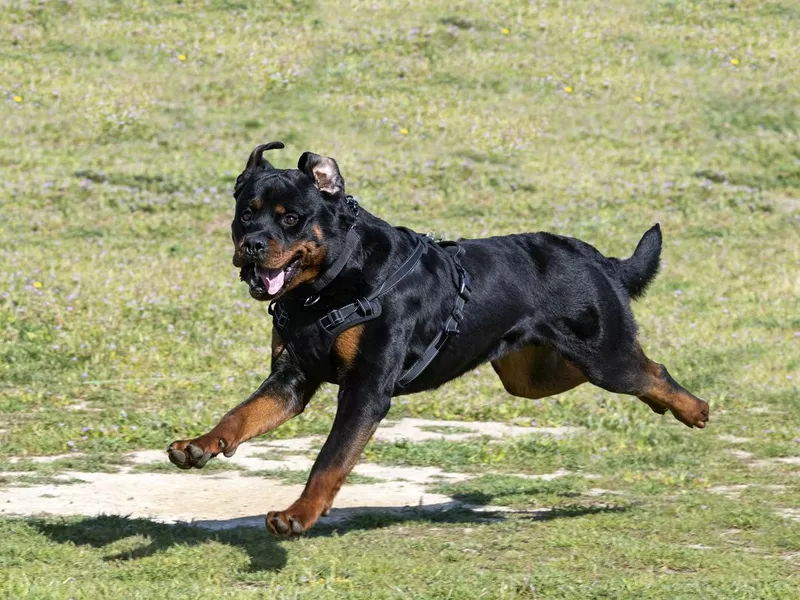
(253, 417)
(322, 487)
(537, 372)
(258, 414)
(345, 347)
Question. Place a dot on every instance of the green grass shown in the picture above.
(446, 429)
(216, 467)
(516, 492)
(123, 325)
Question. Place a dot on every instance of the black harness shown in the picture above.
(308, 332)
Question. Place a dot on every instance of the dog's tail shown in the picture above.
(638, 271)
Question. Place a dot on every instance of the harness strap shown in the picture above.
(366, 309)
(398, 275)
(450, 326)
(350, 243)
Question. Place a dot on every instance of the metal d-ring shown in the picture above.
(311, 300)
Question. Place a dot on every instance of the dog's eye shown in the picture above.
(290, 219)
(247, 216)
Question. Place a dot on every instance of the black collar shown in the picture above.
(321, 282)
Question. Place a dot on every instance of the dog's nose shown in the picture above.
(254, 245)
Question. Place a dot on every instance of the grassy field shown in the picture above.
(123, 325)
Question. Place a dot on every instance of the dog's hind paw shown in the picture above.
(696, 417)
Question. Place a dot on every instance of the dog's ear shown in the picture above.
(255, 162)
(325, 173)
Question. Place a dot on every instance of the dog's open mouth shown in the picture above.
(266, 283)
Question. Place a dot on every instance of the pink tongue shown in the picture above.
(273, 279)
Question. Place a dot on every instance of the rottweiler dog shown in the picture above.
(383, 311)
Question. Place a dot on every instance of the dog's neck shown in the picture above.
(381, 248)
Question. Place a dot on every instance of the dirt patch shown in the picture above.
(790, 513)
(733, 439)
(218, 502)
(232, 499)
(418, 430)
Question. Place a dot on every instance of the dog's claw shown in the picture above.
(297, 528)
(279, 525)
(194, 451)
(201, 462)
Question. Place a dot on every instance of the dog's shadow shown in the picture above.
(265, 553)
(248, 533)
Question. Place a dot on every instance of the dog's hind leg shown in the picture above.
(537, 372)
(633, 373)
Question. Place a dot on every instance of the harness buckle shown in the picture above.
(332, 320)
(451, 327)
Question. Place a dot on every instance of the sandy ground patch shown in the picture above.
(228, 499)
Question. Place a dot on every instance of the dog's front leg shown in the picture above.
(282, 396)
(357, 416)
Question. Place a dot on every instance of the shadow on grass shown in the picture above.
(451, 512)
(265, 552)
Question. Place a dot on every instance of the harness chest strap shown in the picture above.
(368, 308)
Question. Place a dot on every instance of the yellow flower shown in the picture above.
(17, 98)
(404, 131)
(638, 99)
(734, 61)
(505, 31)
(37, 284)
(568, 90)
(181, 57)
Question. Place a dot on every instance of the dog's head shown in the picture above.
(287, 221)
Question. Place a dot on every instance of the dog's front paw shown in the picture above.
(294, 521)
(186, 454)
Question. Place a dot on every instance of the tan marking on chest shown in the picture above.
(345, 347)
